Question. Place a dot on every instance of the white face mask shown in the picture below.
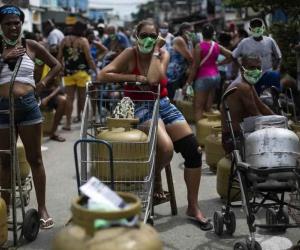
(164, 31)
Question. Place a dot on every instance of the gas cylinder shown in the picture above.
(139, 237)
(213, 148)
(203, 129)
(23, 164)
(3, 222)
(143, 237)
(48, 121)
(130, 151)
(70, 238)
(85, 218)
(187, 109)
(223, 173)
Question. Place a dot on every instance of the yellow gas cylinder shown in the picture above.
(3, 222)
(203, 128)
(70, 238)
(130, 151)
(143, 237)
(213, 148)
(187, 109)
(223, 173)
(85, 218)
(23, 164)
(48, 121)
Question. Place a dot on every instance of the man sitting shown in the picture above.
(244, 102)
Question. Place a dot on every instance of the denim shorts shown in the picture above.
(27, 111)
(207, 83)
(167, 112)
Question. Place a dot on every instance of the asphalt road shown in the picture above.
(177, 232)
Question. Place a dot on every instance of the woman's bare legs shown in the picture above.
(81, 94)
(200, 101)
(70, 92)
(31, 138)
(192, 176)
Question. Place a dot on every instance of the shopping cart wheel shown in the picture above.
(240, 246)
(218, 222)
(283, 218)
(230, 222)
(150, 220)
(31, 225)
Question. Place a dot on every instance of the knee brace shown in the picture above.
(190, 151)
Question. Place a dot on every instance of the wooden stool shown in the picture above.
(170, 196)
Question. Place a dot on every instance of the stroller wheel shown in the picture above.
(240, 246)
(31, 225)
(230, 222)
(218, 222)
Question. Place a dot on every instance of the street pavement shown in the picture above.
(177, 232)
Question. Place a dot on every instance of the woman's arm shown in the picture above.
(117, 70)
(228, 56)
(100, 48)
(195, 65)
(158, 64)
(87, 53)
(43, 54)
(181, 47)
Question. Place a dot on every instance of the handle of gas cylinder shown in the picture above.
(110, 152)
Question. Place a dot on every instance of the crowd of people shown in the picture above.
(56, 66)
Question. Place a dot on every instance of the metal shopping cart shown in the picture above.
(133, 161)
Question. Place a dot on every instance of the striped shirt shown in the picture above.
(24, 75)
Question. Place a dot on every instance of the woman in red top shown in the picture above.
(147, 63)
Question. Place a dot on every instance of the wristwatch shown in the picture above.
(156, 54)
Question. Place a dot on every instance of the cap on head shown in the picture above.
(11, 10)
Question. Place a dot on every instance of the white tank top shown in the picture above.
(24, 75)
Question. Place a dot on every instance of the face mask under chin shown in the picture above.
(8, 41)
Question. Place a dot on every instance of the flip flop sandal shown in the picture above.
(204, 225)
(161, 197)
(46, 224)
(57, 138)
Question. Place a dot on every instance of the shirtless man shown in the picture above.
(244, 102)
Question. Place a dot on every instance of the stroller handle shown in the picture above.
(228, 93)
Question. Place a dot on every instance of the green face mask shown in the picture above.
(257, 32)
(113, 36)
(146, 45)
(191, 35)
(252, 76)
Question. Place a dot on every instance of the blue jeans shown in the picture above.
(268, 79)
(27, 111)
(167, 112)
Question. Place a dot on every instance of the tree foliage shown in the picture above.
(145, 11)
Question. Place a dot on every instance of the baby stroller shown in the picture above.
(265, 167)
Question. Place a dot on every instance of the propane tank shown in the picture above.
(143, 237)
(204, 125)
(213, 148)
(223, 174)
(128, 145)
(48, 121)
(23, 164)
(187, 109)
(70, 238)
(3, 222)
(85, 218)
(139, 237)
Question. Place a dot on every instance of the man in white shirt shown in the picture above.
(267, 49)
(165, 34)
(54, 36)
